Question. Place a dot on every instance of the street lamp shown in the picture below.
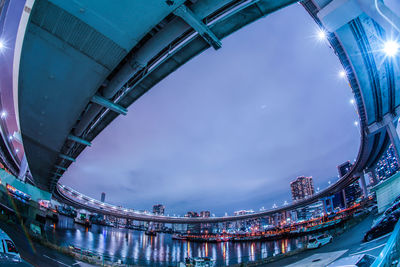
(342, 74)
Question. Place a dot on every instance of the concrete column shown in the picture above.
(394, 137)
(372, 172)
(23, 168)
(363, 184)
(344, 198)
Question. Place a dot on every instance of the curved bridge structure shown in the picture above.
(83, 63)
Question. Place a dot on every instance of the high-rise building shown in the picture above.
(344, 168)
(205, 213)
(387, 165)
(103, 197)
(352, 192)
(302, 187)
(159, 209)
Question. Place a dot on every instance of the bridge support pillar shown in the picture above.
(363, 184)
(328, 204)
(372, 173)
(23, 168)
(344, 198)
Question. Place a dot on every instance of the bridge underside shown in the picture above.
(73, 51)
(83, 64)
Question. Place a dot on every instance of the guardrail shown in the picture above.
(390, 254)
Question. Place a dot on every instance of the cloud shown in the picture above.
(200, 141)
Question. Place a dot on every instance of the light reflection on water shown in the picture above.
(161, 249)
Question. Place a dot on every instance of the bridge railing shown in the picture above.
(390, 255)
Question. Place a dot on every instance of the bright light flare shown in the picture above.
(321, 35)
(356, 123)
(3, 114)
(2, 45)
(352, 101)
(391, 48)
(342, 74)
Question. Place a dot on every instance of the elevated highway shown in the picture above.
(83, 64)
(77, 200)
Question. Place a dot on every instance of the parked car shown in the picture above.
(392, 208)
(382, 227)
(319, 241)
(397, 199)
(361, 260)
(360, 212)
(372, 208)
(8, 250)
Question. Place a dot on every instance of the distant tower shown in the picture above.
(302, 188)
(344, 168)
(103, 197)
(205, 213)
(159, 209)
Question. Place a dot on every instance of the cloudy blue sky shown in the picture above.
(231, 128)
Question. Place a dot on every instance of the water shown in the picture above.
(161, 249)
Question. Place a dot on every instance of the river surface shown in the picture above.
(136, 247)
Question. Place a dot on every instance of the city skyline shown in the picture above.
(223, 133)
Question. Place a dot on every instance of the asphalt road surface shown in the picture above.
(35, 254)
(347, 244)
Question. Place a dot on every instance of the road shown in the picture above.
(348, 244)
(36, 254)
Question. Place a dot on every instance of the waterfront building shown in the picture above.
(352, 192)
(158, 209)
(103, 197)
(302, 187)
(311, 211)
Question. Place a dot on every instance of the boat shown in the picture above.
(178, 237)
(150, 233)
(198, 262)
(82, 217)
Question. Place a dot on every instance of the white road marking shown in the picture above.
(376, 239)
(361, 252)
(319, 259)
(59, 262)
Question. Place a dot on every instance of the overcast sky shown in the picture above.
(231, 128)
